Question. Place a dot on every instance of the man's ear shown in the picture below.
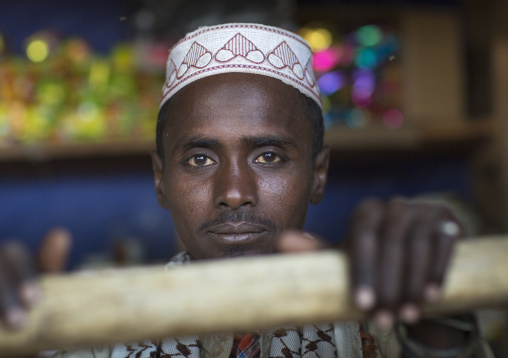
(158, 172)
(320, 170)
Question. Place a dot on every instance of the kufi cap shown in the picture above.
(245, 48)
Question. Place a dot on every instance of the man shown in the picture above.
(239, 157)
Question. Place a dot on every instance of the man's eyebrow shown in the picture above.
(275, 141)
(186, 143)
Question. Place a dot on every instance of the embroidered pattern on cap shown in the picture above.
(245, 48)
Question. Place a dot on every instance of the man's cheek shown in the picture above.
(275, 186)
(189, 189)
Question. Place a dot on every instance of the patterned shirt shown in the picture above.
(329, 340)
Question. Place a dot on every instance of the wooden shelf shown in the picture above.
(46, 152)
(378, 137)
(453, 131)
(373, 137)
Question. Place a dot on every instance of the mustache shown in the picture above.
(226, 217)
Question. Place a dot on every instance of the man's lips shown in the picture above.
(236, 232)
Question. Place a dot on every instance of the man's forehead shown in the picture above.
(243, 87)
(251, 110)
(237, 96)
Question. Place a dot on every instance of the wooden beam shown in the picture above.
(231, 295)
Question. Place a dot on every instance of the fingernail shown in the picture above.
(384, 319)
(365, 298)
(432, 292)
(31, 293)
(307, 235)
(15, 318)
(409, 313)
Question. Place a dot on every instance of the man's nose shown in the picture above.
(235, 186)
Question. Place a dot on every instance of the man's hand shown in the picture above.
(399, 252)
(399, 255)
(19, 289)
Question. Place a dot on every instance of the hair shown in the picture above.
(311, 109)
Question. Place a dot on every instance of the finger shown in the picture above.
(54, 251)
(11, 312)
(14, 275)
(420, 247)
(363, 241)
(447, 233)
(392, 260)
(19, 273)
(296, 241)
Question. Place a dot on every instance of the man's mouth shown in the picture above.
(237, 232)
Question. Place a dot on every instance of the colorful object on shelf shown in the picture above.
(357, 74)
(393, 119)
(37, 50)
(327, 59)
(366, 58)
(63, 92)
(357, 118)
(331, 82)
(318, 39)
(369, 35)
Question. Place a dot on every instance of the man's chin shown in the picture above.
(244, 251)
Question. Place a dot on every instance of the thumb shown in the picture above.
(298, 241)
(54, 251)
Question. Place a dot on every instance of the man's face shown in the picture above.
(238, 168)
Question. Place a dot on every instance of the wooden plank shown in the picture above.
(147, 303)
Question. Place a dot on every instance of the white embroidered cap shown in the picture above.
(246, 48)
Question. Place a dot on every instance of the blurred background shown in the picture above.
(415, 97)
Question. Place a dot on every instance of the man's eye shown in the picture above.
(200, 160)
(267, 158)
